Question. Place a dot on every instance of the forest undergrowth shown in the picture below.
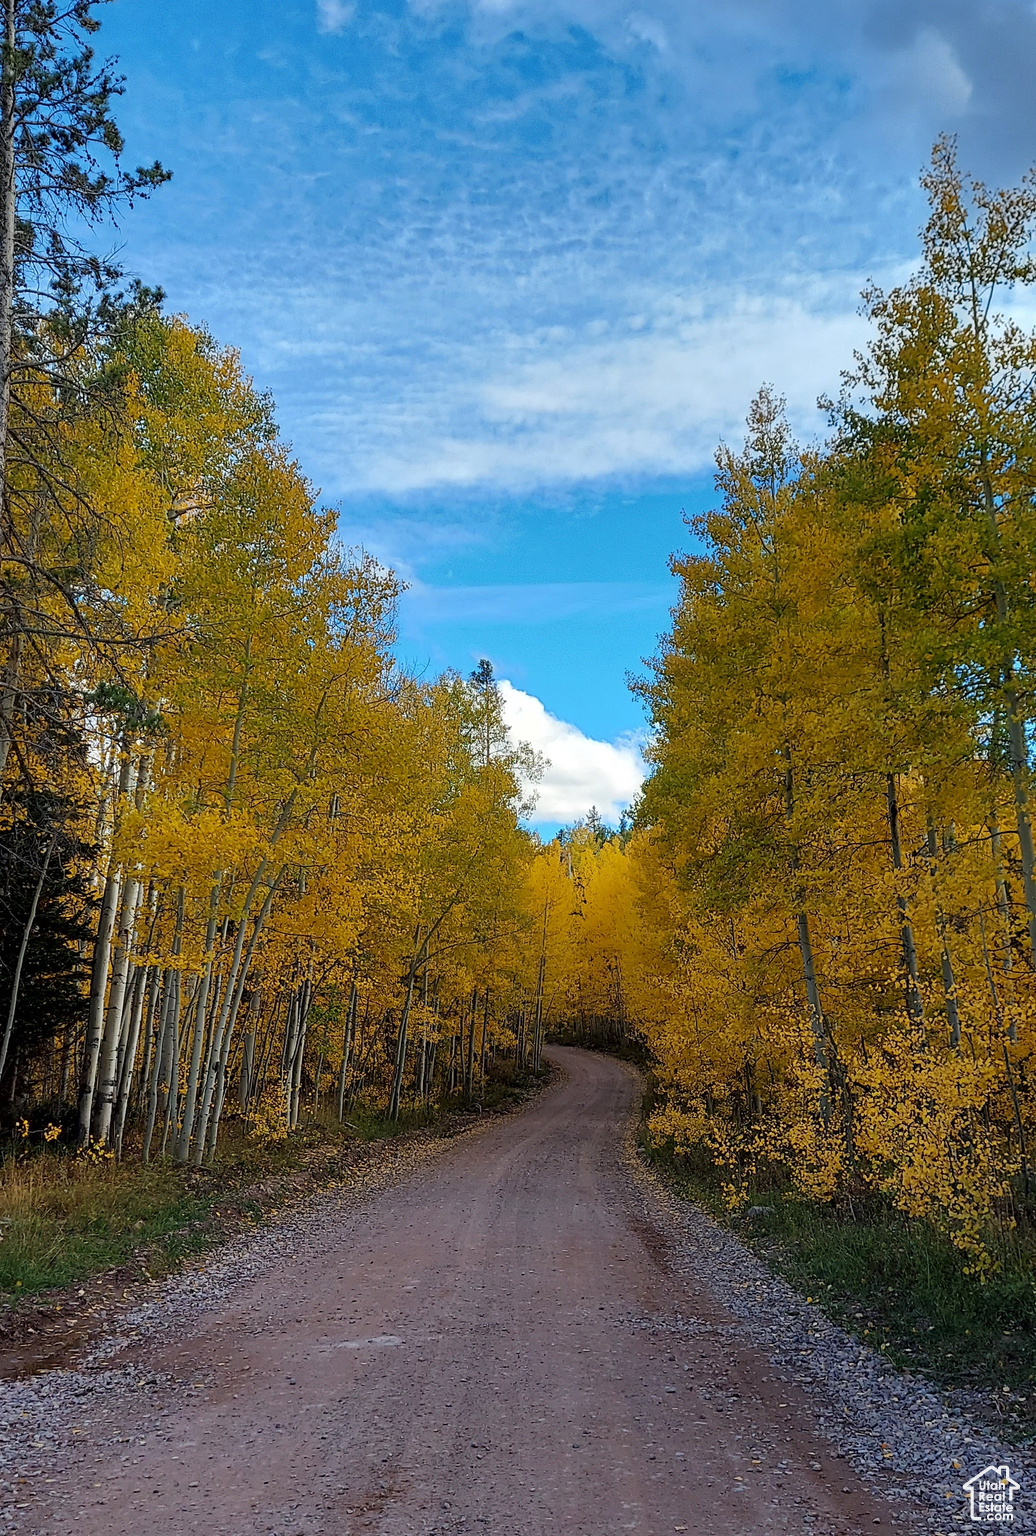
(894, 1282)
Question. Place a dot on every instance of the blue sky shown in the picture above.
(512, 267)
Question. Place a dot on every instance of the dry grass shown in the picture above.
(65, 1217)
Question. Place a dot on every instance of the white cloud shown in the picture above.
(334, 15)
(637, 400)
(583, 772)
(929, 74)
(647, 29)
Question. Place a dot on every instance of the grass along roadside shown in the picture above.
(66, 1218)
(896, 1283)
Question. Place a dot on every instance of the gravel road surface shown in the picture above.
(504, 1341)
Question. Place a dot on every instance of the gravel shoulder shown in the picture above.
(517, 1331)
(910, 1440)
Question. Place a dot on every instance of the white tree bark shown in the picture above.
(183, 1145)
(171, 1073)
(107, 1073)
(158, 1057)
(99, 971)
(347, 1047)
(98, 992)
(144, 985)
(224, 1027)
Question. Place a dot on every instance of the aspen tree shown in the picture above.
(949, 378)
(841, 712)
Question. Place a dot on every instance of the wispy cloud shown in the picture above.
(582, 772)
(940, 56)
(334, 15)
(526, 243)
(406, 543)
(633, 402)
(928, 75)
(530, 603)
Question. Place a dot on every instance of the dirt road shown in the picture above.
(484, 1350)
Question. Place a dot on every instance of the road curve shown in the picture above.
(482, 1350)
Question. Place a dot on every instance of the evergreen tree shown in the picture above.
(45, 927)
(60, 172)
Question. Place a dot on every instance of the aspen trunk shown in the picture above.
(1019, 751)
(537, 1028)
(8, 226)
(212, 1136)
(469, 1068)
(221, 1090)
(9, 690)
(247, 1079)
(107, 1074)
(134, 998)
(144, 985)
(172, 1064)
(98, 992)
(1020, 784)
(949, 982)
(222, 1019)
(291, 1036)
(347, 1046)
(264, 1054)
(295, 1079)
(432, 1053)
(812, 990)
(1003, 895)
(95, 1028)
(484, 1045)
(190, 1104)
(319, 1071)
(195, 1038)
(818, 1024)
(161, 1035)
(416, 960)
(215, 1007)
(949, 986)
(537, 1022)
(1019, 1123)
(224, 1029)
(401, 1047)
(244, 1088)
(152, 1027)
